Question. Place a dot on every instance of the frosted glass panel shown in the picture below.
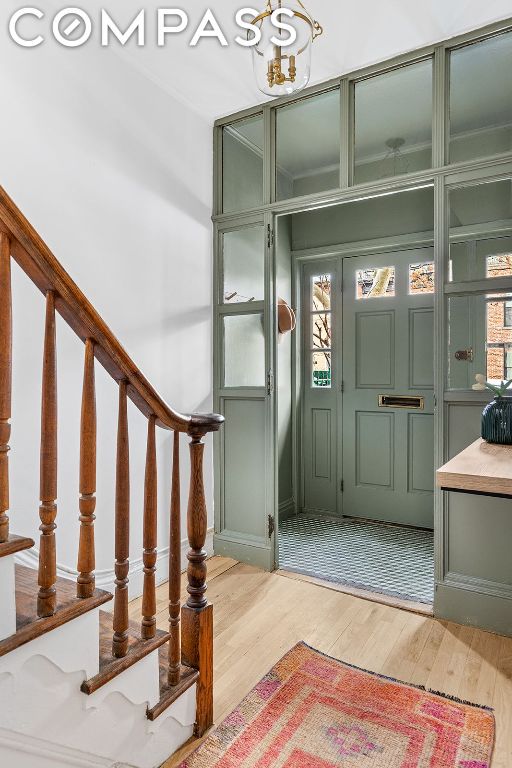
(482, 210)
(242, 165)
(393, 123)
(244, 265)
(481, 99)
(244, 351)
(308, 146)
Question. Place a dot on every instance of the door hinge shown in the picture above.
(270, 236)
(271, 526)
(342, 486)
(270, 382)
(342, 386)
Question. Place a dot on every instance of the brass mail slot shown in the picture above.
(402, 401)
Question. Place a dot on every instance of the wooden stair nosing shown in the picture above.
(110, 666)
(15, 544)
(69, 607)
(169, 694)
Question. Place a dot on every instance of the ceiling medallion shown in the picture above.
(282, 56)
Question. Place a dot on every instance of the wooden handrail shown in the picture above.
(38, 262)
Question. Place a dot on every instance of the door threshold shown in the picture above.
(412, 606)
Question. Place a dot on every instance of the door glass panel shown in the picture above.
(242, 165)
(393, 123)
(477, 214)
(308, 146)
(244, 351)
(480, 338)
(481, 99)
(374, 283)
(321, 293)
(321, 331)
(244, 265)
(321, 367)
(421, 278)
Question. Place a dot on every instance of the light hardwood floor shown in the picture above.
(259, 616)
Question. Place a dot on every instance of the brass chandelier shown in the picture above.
(284, 69)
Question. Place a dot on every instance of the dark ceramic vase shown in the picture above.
(497, 421)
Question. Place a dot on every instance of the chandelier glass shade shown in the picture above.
(281, 70)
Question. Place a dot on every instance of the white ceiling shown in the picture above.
(216, 81)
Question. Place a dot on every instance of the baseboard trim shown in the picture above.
(287, 509)
(105, 578)
(36, 750)
(475, 584)
(466, 606)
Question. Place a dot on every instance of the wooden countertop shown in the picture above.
(480, 468)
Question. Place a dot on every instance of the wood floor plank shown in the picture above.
(502, 703)
(406, 652)
(259, 616)
(478, 681)
(447, 670)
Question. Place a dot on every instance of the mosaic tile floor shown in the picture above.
(379, 558)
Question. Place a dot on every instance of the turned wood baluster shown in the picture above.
(46, 600)
(122, 518)
(87, 502)
(175, 568)
(5, 380)
(196, 527)
(148, 628)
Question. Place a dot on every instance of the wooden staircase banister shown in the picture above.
(36, 259)
(188, 658)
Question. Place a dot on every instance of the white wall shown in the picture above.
(116, 177)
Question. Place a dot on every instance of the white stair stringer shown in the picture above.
(7, 597)
(40, 699)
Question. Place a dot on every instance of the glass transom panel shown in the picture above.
(393, 123)
(481, 99)
(242, 165)
(308, 146)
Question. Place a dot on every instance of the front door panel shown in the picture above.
(388, 438)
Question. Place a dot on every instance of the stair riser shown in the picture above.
(73, 647)
(40, 698)
(7, 597)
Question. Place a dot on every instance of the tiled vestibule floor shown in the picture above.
(386, 559)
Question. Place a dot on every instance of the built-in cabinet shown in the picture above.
(435, 128)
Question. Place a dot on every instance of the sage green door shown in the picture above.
(388, 397)
(321, 362)
(244, 455)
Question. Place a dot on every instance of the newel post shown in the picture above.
(197, 613)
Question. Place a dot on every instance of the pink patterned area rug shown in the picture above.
(311, 711)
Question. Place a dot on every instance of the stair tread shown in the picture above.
(168, 693)
(110, 666)
(15, 544)
(69, 606)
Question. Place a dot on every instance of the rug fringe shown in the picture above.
(442, 695)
